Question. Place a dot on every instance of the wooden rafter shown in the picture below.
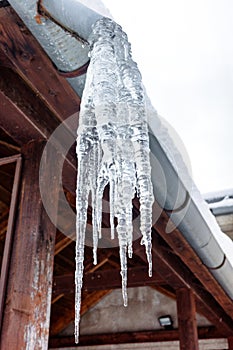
(178, 276)
(36, 99)
(28, 59)
(187, 255)
(106, 279)
(9, 146)
(11, 117)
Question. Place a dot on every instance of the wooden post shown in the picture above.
(187, 319)
(230, 343)
(28, 298)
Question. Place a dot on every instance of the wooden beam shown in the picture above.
(22, 121)
(28, 299)
(106, 279)
(130, 337)
(187, 255)
(9, 160)
(186, 309)
(14, 122)
(33, 88)
(178, 276)
(104, 257)
(9, 146)
(25, 55)
(34, 109)
(219, 302)
(208, 306)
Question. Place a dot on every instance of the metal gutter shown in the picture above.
(172, 186)
(67, 53)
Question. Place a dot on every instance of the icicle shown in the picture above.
(112, 148)
(83, 150)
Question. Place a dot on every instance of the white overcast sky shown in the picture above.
(184, 50)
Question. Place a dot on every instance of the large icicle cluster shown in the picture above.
(112, 148)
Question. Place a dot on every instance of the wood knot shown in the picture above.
(26, 56)
(52, 93)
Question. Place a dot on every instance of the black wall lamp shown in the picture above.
(166, 322)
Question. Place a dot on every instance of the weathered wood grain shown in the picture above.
(187, 322)
(28, 299)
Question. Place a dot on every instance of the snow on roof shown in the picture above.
(212, 197)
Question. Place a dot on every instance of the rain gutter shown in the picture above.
(173, 188)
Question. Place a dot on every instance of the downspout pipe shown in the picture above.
(185, 206)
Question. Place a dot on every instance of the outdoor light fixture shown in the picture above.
(166, 322)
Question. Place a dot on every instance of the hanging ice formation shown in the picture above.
(112, 148)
